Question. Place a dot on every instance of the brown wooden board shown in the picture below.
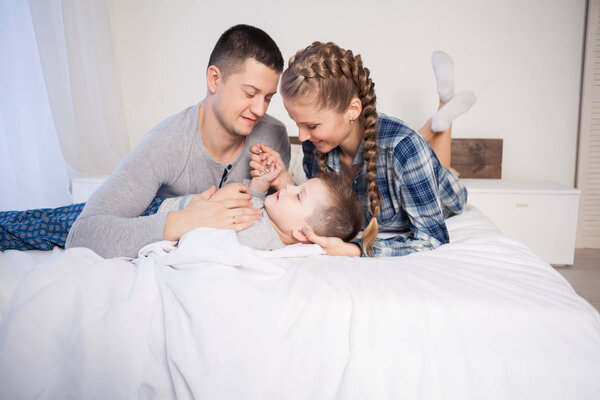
(472, 158)
(477, 158)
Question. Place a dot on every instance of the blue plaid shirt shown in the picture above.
(417, 191)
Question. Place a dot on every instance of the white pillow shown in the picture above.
(296, 170)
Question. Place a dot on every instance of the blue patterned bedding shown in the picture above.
(44, 228)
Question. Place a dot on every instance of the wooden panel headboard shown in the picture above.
(471, 158)
(477, 158)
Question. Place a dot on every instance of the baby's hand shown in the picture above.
(262, 181)
(261, 154)
(272, 171)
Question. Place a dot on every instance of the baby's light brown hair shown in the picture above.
(342, 216)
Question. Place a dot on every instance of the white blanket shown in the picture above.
(481, 317)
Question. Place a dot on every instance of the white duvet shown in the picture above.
(480, 318)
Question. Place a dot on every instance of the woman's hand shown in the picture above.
(236, 214)
(260, 155)
(231, 191)
(333, 246)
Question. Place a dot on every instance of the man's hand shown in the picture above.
(333, 246)
(260, 154)
(231, 191)
(236, 214)
(208, 193)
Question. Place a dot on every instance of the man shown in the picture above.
(207, 144)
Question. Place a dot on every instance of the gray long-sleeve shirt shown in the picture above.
(170, 161)
(262, 235)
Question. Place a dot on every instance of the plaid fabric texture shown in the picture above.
(417, 191)
(42, 229)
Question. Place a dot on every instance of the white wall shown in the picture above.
(521, 57)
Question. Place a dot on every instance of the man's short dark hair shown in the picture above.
(241, 42)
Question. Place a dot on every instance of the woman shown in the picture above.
(402, 184)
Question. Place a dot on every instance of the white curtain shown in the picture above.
(59, 100)
(33, 173)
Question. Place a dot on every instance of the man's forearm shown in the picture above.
(176, 225)
(111, 236)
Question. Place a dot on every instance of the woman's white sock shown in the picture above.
(443, 69)
(458, 104)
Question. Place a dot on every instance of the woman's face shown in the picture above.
(325, 128)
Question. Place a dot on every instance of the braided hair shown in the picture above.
(338, 76)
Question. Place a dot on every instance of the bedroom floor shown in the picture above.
(584, 275)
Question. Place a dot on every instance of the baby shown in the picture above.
(327, 204)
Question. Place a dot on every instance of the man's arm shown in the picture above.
(109, 223)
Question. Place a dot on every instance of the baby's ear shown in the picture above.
(300, 236)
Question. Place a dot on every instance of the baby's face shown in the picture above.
(291, 207)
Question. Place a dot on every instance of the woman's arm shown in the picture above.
(419, 196)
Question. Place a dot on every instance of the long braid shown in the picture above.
(338, 76)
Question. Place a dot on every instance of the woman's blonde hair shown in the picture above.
(338, 76)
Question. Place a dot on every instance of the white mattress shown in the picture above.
(481, 317)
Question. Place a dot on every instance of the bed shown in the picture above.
(479, 318)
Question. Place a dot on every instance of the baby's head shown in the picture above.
(327, 204)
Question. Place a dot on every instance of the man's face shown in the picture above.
(291, 207)
(242, 97)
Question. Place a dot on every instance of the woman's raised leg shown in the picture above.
(438, 129)
(440, 142)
